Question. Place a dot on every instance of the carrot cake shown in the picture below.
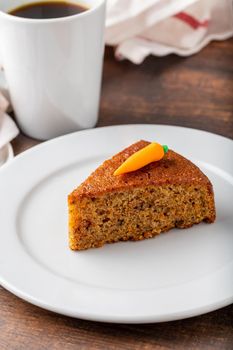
(171, 192)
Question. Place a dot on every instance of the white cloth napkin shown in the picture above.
(8, 128)
(160, 27)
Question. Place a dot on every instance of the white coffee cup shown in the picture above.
(53, 68)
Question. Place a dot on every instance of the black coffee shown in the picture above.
(48, 9)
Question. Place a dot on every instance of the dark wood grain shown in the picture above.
(196, 92)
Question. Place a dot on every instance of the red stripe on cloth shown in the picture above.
(193, 22)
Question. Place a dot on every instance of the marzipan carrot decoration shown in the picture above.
(151, 153)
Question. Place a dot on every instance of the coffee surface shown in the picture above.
(48, 9)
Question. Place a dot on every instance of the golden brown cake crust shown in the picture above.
(172, 169)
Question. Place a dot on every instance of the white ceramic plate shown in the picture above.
(179, 274)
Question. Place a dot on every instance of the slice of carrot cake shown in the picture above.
(111, 206)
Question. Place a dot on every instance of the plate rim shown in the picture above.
(192, 312)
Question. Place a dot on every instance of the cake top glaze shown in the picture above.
(172, 169)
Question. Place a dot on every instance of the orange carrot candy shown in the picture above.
(151, 153)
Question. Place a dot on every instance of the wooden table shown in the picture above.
(196, 92)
